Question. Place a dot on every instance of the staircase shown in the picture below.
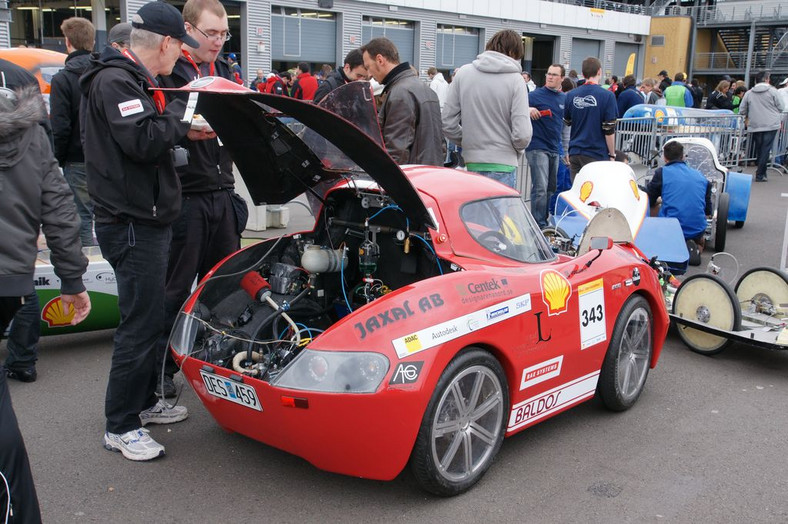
(770, 50)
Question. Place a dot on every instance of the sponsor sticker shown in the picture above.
(541, 372)
(406, 373)
(397, 313)
(483, 291)
(57, 314)
(130, 107)
(230, 390)
(542, 405)
(449, 330)
(556, 291)
(592, 313)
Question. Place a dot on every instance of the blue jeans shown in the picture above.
(138, 254)
(77, 180)
(509, 179)
(544, 171)
(23, 336)
(762, 144)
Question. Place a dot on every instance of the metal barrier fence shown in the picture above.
(645, 136)
(779, 148)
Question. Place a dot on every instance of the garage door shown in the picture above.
(582, 48)
(308, 36)
(401, 32)
(623, 51)
(457, 46)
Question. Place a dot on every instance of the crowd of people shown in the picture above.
(159, 193)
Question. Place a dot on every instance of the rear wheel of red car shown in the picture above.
(626, 364)
(464, 425)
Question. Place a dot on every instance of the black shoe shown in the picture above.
(763, 179)
(170, 391)
(22, 375)
(694, 253)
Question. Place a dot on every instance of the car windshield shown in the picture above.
(505, 227)
(700, 157)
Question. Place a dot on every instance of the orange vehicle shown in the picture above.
(42, 63)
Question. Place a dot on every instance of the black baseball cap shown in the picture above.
(663, 73)
(163, 19)
(120, 34)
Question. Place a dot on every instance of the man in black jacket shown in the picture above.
(130, 134)
(352, 70)
(213, 216)
(64, 102)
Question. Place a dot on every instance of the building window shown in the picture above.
(454, 30)
(385, 23)
(658, 40)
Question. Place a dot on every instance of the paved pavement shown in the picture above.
(705, 443)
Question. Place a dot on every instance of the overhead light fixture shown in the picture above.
(24, 8)
(233, 16)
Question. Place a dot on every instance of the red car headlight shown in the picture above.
(334, 372)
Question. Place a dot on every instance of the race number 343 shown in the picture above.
(592, 313)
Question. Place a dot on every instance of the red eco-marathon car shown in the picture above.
(423, 318)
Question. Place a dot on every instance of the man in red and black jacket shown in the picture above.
(305, 85)
(273, 84)
(213, 216)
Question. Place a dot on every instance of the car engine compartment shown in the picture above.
(267, 302)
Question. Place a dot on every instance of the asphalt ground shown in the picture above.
(706, 442)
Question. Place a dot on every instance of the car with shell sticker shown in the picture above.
(424, 317)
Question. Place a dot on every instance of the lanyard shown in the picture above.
(158, 96)
(188, 56)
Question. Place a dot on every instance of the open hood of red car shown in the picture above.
(283, 146)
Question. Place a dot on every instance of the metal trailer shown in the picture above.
(645, 128)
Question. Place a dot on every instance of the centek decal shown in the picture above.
(395, 314)
(406, 373)
(478, 291)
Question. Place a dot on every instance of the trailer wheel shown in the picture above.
(707, 299)
(763, 290)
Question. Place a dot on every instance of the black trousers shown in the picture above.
(138, 254)
(14, 464)
(206, 231)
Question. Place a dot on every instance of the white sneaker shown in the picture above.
(163, 413)
(134, 445)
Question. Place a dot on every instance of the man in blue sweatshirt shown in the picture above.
(685, 192)
(547, 116)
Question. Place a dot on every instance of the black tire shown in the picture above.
(738, 224)
(628, 357)
(721, 231)
(434, 463)
(708, 299)
(762, 289)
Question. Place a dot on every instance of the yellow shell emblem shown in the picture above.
(55, 314)
(585, 191)
(635, 188)
(659, 115)
(556, 291)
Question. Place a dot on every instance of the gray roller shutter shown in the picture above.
(296, 38)
(403, 35)
(582, 48)
(623, 50)
(456, 49)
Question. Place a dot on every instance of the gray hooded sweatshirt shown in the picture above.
(762, 107)
(486, 110)
(34, 194)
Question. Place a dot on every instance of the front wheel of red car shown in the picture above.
(464, 425)
(628, 358)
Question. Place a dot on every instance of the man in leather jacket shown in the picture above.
(409, 115)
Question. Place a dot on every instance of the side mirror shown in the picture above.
(601, 243)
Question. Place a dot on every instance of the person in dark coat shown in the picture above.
(410, 115)
(33, 195)
(213, 216)
(719, 99)
(64, 102)
(353, 69)
(130, 155)
(628, 96)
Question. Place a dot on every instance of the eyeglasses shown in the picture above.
(224, 36)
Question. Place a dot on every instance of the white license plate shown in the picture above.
(230, 390)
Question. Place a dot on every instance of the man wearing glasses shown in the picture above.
(543, 155)
(213, 215)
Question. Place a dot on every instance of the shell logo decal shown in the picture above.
(585, 191)
(659, 115)
(635, 188)
(556, 291)
(55, 315)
